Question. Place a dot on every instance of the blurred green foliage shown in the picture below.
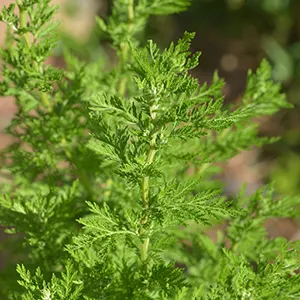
(263, 28)
(274, 23)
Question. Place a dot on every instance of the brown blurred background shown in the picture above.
(233, 35)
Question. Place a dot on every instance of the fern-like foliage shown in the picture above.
(98, 192)
(245, 264)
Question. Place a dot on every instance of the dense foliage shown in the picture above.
(100, 203)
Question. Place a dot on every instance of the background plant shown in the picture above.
(246, 31)
(111, 149)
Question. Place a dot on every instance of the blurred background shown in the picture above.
(233, 36)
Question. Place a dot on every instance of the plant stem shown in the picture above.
(130, 13)
(23, 25)
(145, 191)
(125, 47)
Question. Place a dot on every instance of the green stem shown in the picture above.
(145, 192)
(125, 47)
(130, 13)
(123, 80)
(23, 25)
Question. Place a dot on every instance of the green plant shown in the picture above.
(126, 182)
